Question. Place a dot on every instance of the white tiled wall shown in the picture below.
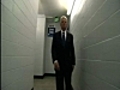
(40, 46)
(48, 64)
(96, 30)
(19, 20)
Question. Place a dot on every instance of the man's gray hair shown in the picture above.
(63, 17)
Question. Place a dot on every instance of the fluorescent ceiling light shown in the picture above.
(72, 4)
(63, 3)
(80, 6)
(69, 6)
(77, 8)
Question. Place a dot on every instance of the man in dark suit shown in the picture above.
(63, 56)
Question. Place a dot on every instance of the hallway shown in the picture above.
(27, 28)
(48, 83)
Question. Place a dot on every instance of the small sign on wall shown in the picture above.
(51, 30)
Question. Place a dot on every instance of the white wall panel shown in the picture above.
(97, 36)
(18, 44)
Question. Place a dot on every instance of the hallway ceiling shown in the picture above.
(52, 8)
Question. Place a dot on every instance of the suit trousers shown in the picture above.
(61, 76)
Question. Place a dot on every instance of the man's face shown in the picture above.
(63, 24)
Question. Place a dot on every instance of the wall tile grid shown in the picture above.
(19, 19)
(97, 40)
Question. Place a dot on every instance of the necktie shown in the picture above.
(63, 38)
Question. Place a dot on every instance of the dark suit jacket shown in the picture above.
(64, 54)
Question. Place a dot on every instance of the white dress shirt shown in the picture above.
(65, 33)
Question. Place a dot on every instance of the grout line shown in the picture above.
(102, 80)
(15, 17)
(32, 7)
(75, 25)
(91, 16)
(13, 82)
(34, 18)
(20, 56)
(109, 39)
(94, 14)
(28, 9)
(113, 61)
(16, 42)
(21, 45)
(88, 85)
(23, 13)
(17, 31)
(17, 68)
(103, 22)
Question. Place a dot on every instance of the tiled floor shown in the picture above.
(47, 83)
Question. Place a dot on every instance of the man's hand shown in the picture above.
(56, 65)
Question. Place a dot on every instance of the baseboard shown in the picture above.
(49, 74)
(38, 77)
(32, 89)
(46, 74)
